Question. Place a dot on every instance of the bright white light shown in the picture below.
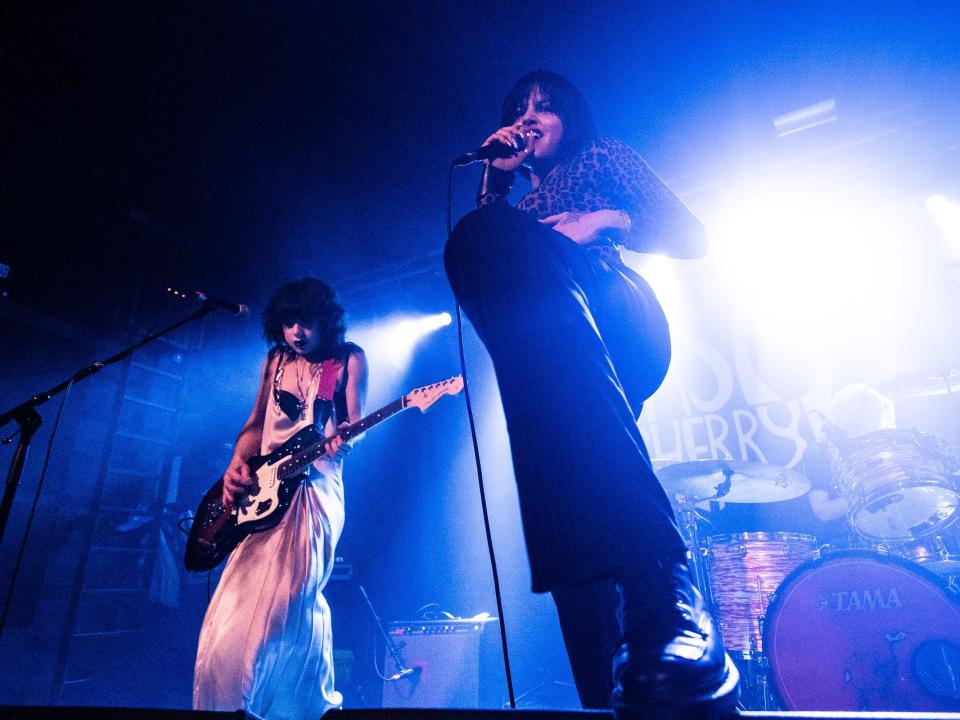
(389, 343)
(809, 260)
(947, 216)
(395, 337)
(399, 339)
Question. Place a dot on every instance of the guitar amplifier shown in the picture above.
(454, 664)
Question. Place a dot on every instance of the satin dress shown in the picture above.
(265, 645)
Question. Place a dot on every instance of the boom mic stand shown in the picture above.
(29, 420)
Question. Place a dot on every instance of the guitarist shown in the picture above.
(265, 644)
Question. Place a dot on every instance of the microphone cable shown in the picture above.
(476, 456)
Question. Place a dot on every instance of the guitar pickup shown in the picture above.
(263, 507)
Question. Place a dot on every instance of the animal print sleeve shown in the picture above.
(656, 213)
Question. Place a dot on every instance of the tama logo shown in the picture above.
(859, 600)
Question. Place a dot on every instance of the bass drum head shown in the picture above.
(859, 631)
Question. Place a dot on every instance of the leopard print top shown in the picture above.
(607, 175)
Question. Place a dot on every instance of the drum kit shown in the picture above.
(875, 626)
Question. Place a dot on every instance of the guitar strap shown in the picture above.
(329, 373)
(340, 398)
(328, 399)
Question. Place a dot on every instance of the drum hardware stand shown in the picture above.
(757, 693)
(689, 517)
(757, 666)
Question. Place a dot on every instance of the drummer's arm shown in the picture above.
(827, 508)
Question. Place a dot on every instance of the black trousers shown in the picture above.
(588, 621)
(578, 343)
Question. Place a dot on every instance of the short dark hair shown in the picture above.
(305, 301)
(565, 100)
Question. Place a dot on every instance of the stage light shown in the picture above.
(947, 216)
(400, 338)
(813, 261)
(396, 336)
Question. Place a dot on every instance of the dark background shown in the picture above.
(228, 145)
(233, 146)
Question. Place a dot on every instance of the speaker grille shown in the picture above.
(445, 658)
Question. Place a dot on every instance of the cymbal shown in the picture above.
(922, 383)
(734, 481)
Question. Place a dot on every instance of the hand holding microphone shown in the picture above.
(506, 149)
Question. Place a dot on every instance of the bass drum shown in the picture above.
(859, 631)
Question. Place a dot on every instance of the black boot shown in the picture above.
(671, 662)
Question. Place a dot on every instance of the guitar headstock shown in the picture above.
(424, 397)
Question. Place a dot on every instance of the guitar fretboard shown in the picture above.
(303, 458)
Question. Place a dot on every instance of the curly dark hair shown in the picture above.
(305, 301)
(565, 100)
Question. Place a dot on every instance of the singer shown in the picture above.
(579, 342)
(265, 644)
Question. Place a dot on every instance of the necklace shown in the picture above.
(295, 406)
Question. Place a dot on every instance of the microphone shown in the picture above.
(834, 433)
(406, 672)
(492, 151)
(233, 308)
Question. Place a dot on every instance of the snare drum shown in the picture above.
(898, 485)
(860, 631)
(744, 570)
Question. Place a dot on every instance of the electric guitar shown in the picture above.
(215, 532)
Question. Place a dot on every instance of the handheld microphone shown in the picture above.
(237, 309)
(492, 151)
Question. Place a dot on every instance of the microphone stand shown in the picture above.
(29, 420)
(402, 669)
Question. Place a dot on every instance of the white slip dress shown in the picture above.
(265, 645)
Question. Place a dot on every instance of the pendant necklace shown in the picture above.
(295, 406)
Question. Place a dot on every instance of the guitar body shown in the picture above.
(214, 532)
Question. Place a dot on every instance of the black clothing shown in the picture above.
(578, 342)
(545, 308)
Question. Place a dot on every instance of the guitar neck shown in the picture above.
(364, 424)
(303, 458)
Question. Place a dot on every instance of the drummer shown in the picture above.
(855, 410)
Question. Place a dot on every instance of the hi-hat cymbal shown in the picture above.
(734, 481)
